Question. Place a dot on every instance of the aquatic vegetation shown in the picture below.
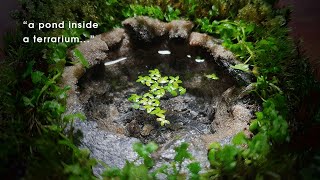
(212, 76)
(159, 86)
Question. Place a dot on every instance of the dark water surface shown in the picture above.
(108, 85)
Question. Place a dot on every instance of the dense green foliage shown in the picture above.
(134, 170)
(39, 141)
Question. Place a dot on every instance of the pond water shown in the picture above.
(105, 88)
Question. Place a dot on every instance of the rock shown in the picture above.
(112, 149)
(243, 78)
(93, 50)
(196, 147)
(133, 128)
(198, 39)
(232, 116)
(180, 29)
(146, 130)
(241, 113)
(70, 77)
(144, 29)
(114, 37)
(71, 74)
(223, 57)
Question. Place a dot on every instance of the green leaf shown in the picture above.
(144, 101)
(36, 76)
(163, 80)
(148, 108)
(182, 152)
(159, 93)
(82, 59)
(135, 106)
(212, 157)
(155, 87)
(155, 111)
(54, 107)
(215, 146)
(144, 152)
(69, 117)
(174, 93)
(141, 80)
(134, 98)
(212, 76)
(151, 147)
(73, 169)
(254, 125)
(239, 139)
(242, 67)
(155, 102)
(155, 74)
(227, 157)
(27, 101)
(175, 85)
(163, 121)
(182, 90)
(194, 167)
(160, 115)
(112, 172)
(28, 70)
(148, 95)
(170, 88)
(174, 79)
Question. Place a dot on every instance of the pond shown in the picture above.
(211, 110)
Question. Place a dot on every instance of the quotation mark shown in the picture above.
(91, 36)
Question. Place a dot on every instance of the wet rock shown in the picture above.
(146, 130)
(197, 148)
(70, 77)
(144, 29)
(241, 113)
(180, 29)
(112, 149)
(242, 77)
(133, 128)
(93, 50)
(198, 39)
(222, 57)
(232, 116)
(71, 74)
(114, 37)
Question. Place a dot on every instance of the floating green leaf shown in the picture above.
(212, 76)
(159, 85)
(81, 58)
(242, 67)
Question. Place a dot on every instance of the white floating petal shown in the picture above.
(199, 60)
(115, 61)
(164, 52)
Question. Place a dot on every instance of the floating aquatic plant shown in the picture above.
(159, 86)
